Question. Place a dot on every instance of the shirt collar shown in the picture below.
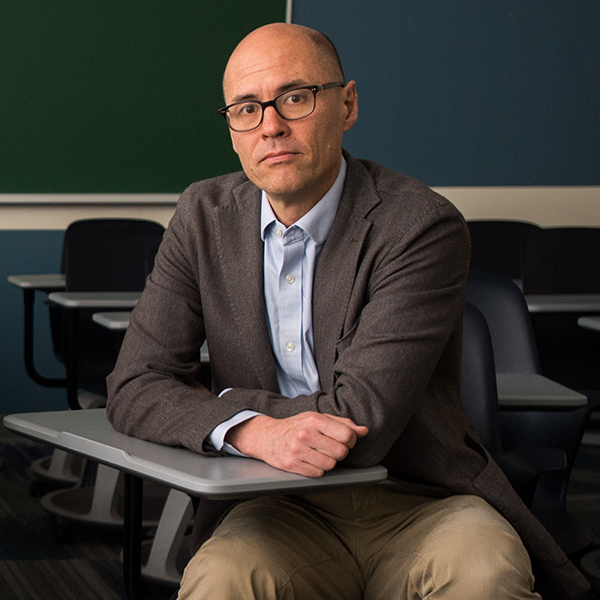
(318, 220)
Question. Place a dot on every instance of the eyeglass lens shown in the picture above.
(294, 104)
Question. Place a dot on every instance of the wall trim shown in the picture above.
(100, 199)
(551, 206)
(547, 206)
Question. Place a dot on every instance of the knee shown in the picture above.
(227, 569)
(476, 550)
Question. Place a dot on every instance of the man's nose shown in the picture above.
(273, 123)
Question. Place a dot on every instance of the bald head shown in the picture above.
(285, 36)
(294, 159)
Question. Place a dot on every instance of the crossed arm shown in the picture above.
(309, 443)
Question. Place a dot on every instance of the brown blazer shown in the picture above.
(387, 320)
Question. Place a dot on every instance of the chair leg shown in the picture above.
(175, 519)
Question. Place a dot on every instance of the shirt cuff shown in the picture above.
(217, 435)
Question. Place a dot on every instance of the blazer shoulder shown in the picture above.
(400, 202)
(397, 187)
(215, 192)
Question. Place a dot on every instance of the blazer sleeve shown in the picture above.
(150, 391)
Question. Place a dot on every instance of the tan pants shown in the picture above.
(371, 543)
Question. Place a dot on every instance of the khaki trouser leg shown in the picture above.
(458, 548)
(272, 548)
(373, 543)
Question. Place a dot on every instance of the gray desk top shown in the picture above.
(116, 321)
(545, 303)
(39, 282)
(88, 432)
(530, 390)
(589, 323)
(98, 300)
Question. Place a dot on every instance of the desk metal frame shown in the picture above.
(30, 284)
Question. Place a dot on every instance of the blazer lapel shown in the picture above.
(338, 264)
(238, 226)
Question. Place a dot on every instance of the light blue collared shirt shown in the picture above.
(290, 260)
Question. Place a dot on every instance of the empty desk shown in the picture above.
(592, 323)
(533, 391)
(569, 303)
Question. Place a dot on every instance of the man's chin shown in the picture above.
(282, 185)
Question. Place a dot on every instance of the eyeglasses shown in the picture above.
(291, 105)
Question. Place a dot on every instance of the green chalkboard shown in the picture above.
(117, 96)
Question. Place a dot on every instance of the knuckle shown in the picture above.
(342, 452)
(313, 419)
(288, 464)
(302, 434)
(347, 436)
(329, 464)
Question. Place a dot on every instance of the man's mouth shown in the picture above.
(279, 156)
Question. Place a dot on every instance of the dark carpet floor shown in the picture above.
(35, 565)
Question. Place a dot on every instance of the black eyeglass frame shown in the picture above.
(313, 88)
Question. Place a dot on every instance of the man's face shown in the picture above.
(291, 160)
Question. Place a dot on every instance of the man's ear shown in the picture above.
(351, 104)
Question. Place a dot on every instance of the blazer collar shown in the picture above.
(240, 248)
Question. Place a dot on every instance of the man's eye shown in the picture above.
(243, 110)
(248, 109)
(296, 98)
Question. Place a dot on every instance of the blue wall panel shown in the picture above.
(471, 93)
(26, 252)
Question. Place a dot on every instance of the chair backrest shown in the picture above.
(479, 393)
(504, 307)
(101, 255)
(112, 255)
(497, 246)
(562, 260)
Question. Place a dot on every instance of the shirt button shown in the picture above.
(290, 278)
(290, 347)
(278, 231)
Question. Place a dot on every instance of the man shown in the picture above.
(330, 292)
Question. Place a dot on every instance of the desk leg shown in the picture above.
(71, 319)
(28, 301)
(132, 536)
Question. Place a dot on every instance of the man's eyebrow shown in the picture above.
(290, 85)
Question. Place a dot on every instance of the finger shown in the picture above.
(341, 429)
(314, 435)
(360, 430)
(310, 463)
(331, 449)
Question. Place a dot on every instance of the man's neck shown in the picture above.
(287, 214)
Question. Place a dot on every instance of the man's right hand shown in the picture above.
(308, 443)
